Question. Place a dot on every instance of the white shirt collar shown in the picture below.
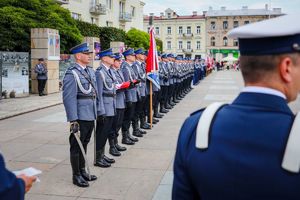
(83, 67)
(107, 68)
(263, 90)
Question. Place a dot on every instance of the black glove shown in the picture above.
(131, 85)
(74, 126)
(128, 104)
(138, 81)
(101, 119)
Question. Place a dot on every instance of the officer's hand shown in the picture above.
(128, 104)
(28, 180)
(131, 84)
(74, 127)
(138, 81)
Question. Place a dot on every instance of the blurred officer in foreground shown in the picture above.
(79, 98)
(244, 152)
(12, 187)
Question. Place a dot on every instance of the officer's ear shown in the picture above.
(286, 66)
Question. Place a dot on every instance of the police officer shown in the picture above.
(79, 98)
(106, 82)
(131, 96)
(41, 71)
(115, 148)
(240, 154)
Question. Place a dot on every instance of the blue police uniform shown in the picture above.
(80, 102)
(11, 187)
(247, 138)
(106, 85)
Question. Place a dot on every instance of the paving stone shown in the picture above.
(163, 192)
(47, 197)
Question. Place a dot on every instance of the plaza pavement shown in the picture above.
(143, 172)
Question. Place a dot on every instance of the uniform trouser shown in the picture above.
(170, 91)
(157, 97)
(103, 129)
(86, 129)
(128, 116)
(142, 113)
(147, 105)
(138, 109)
(175, 90)
(117, 123)
(41, 85)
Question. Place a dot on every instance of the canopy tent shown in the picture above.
(229, 59)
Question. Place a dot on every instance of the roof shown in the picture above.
(146, 17)
(243, 12)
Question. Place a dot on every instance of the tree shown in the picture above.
(18, 17)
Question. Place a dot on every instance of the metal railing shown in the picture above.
(126, 17)
(188, 35)
(98, 9)
(187, 50)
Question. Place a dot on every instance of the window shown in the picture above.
(169, 46)
(180, 30)
(225, 41)
(188, 44)
(179, 44)
(169, 15)
(122, 7)
(108, 4)
(76, 16)
(169, 30)
(198, 29)
(198, 45)
(212, 25)
(246, 22)
(235, 43)
(188, 30)
(157, 30)
(225, 24)
(235, 24)
(213, 41)
(132, 11)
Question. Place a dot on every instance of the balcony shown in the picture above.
(125, 17)
(187, 51)
(98, 9)
(188, 35)
(62, 2)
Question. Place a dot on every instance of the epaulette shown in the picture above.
(197, 111)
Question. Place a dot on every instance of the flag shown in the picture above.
(152, 61)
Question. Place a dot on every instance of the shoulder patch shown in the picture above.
(197, 111)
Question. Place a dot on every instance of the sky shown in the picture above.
(186, 7)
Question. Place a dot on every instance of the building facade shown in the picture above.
(123, 14)
(182, 35)
(220, 22)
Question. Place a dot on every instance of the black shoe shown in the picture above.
(157, 115)
(86, 176)
(109, 160)
(126, 140)
(136, 133)
(114, 151)
(145, 126)
(79, 181)
(40, 94)
(168, 106)
(175, 101)
(163, 110)
(120, 148)
(155, 120)
(142, 132)
(102, 163)
(134, 139)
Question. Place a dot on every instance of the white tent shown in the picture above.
(229, 59)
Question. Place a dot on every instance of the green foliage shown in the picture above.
(137, 39)
(87, 29)
(159, 44)
(18, 17)
(110, 34)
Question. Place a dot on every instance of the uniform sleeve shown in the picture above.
(100, 104)
(70, 96)
(126, 78)
(37, 70)
(182, 185)
(11, 187)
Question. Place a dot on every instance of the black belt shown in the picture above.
(85, 97)
(109, 95)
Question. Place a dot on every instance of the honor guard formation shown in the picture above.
(248, 149)
(115, 97)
